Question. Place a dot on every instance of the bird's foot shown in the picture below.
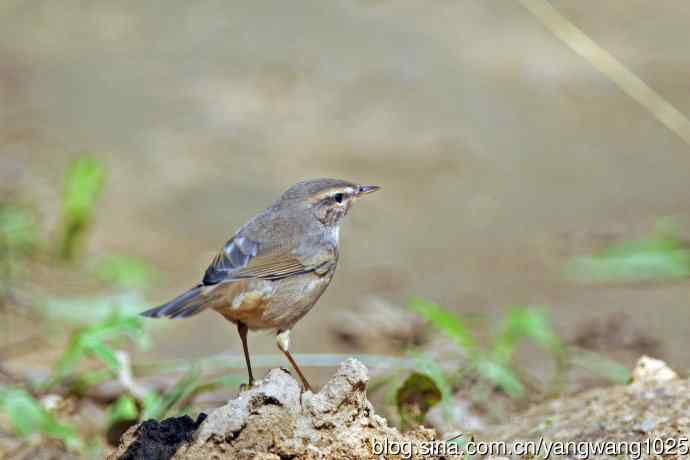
(247, 386)
(305, 385)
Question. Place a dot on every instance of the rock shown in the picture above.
(275, 420)
(652, 371)
(278, 388)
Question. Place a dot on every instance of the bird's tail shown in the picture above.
(185, 305)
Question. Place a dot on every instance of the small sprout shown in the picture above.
(445, 321)
(157, 406)
(84, 184)
(28, 417)
(525, 323)
(123, 409)
(97, 341)
(493, 362)
(660, 257)
(501, 375)
(122, 414)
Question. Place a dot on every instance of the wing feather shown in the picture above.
(241, 258)
(274, 267)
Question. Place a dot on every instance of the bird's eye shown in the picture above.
(338, 197)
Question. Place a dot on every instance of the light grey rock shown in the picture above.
(277, 388)
(276, 419)
(652, 371)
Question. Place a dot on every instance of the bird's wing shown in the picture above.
(242, 258)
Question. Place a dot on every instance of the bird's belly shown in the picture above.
(266, 304)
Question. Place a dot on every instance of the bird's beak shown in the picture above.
(367, 189)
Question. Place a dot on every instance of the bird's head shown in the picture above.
(328, 199)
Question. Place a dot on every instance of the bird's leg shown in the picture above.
(242, 330)
(283, 341)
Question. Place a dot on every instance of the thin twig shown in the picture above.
(126, 378)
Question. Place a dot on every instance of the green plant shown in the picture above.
(445, 321)
(28, 417)
(190, 385)
(493, 359)
(84, 182)
(519, 324)
(157, 406)
(98, 341)
(663, 256)
(425, 386)
(494, 362)
(417, 394)
(123, 409)
(18, 240)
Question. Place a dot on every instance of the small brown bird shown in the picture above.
(274, 269)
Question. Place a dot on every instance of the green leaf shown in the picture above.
(424, 364)
(534, 324)
(71, 357)
(27, 416)
(105, 354)
(521, 323)
(501, 375)
(446, 321)
(84, 182)
(152, 406)
(415, 397)
(124, 408)
(157, 407)
(98, 340)
(661, 257)
(25, 413)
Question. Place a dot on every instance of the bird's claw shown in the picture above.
(246, 386)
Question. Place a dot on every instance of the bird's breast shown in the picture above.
(266, 304)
